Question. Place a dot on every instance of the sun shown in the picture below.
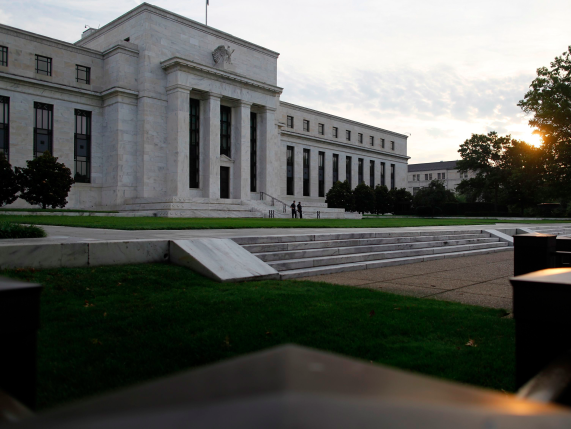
(534, 140)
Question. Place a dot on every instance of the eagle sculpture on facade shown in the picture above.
(222, 53)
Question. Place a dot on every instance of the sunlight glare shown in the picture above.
(534, 140)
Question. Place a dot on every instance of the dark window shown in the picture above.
(3, 56)
(383, 174)
(392, 145)
(253, 150)
(321, 129)
(372, 174)
(290, 121)
(348, 135)
(224, 182)
(335, 168)
(225, 126)
(289, 170)
(82, 146)
(392, 176)
(43, 124)
(360, 137)
(306, 172)
(5, 126)
(360, 173)
(305, 125)
(43, 65)
(443, 176)
(321, 173)
(348, 170)
(426, 177)
(372, 140)
(82, 74)
(383, 143)
(335, 132)
(194, 144)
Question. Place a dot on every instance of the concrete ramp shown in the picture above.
(220, 259)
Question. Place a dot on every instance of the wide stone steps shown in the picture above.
(556, 230)
(306, 255)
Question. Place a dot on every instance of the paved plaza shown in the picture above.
(478, 280)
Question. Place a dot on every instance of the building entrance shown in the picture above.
(224, 182)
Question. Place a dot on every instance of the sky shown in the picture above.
(435, 70)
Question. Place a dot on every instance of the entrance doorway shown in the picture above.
(224, 182)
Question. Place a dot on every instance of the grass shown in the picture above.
(14, 230)
(107, 327)
(139, 223)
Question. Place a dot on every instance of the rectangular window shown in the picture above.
(82, 74)
(43, 65)
(372, 174)
(348, 162)
(335, 170)
(348, 135)
(225, 133)
(321, 129)
(335, 132)
(305, 125)
(426, 177)
(443, 176)
(360, 173)
(289, 170)
(82, 146)
(383, 174)
(439, 176)
(321, 174)
(360, 137)
(392, 176)
(5, 126)
(372, 140)
(253, 150)
(392, 145)
(430, 176)
(306, 172)
(194, 144)
(4, 56)
(383, 143)
(43, 124)
(290, 121)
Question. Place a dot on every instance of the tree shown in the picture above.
(434, 195)
(383, 200)
(402, 200)
(549, 101)
(9, 187)
(45, 181)
(340, 196)
(364, 199)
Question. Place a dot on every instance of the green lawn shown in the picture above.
(134, 223)
(106, 327)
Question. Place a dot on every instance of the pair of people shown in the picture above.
(293, 210)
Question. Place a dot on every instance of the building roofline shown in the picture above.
(430, 166)
(146, 7)
(296, 106)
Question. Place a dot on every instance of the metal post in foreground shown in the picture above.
(533, 252)
(19, 323)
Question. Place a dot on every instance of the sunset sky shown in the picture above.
(437, 70)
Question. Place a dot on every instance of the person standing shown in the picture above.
(293, 213)
(299, 209)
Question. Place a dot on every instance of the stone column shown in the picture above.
(178, 136)
(241, 150)
(210, 146)
(268, 171)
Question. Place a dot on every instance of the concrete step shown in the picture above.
(366, 249)
(184, 206)
(207, 214)
(294, 264)
(303, 245)
(330, 269)
(175, 200)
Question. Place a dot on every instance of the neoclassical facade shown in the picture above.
(155, 111)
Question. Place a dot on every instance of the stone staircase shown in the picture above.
(306, 255)
(552, 229)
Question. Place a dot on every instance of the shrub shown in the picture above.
(434, 195)
(450, 209)
(9, 187)
(340, 196)
(402, 200)
(15, 230)
(45, 182)
(425, 211)
(364, 199)
(383, 200)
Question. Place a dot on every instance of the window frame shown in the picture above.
(349, 170)
(194, 143)
(336, 132)
(306, 162)
(5, 125)
(335, 168)
(290, 162)
(48, 63)
(372, 173)
(82, 178)
(372, 140)
(4, 56)
(321, 174)
(306, 125)
(49, 108)
(392, 145)
(360, 137)
(253, 151)
(87, 71)
(382, 143)
(360, 171)
(289, 121)
(348, 135)
(321, 129)
(226, 137)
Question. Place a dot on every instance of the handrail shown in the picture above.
(551, 382)
(274, 199)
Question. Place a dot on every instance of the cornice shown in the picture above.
(119, 91)
(171, 65)
(38, 38)
(43, 84)
(338, 118)
(120, 49)
(346, 146)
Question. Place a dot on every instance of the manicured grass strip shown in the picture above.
(14, 230)
(130, 223)
(107, 327)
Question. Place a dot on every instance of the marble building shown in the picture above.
(157, 112)
(420, 175)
